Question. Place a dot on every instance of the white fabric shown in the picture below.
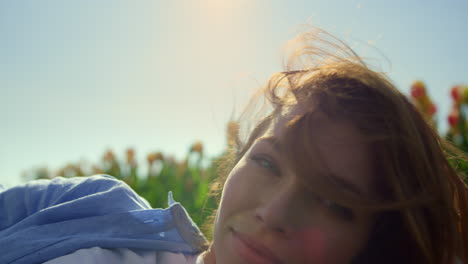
(124, 256)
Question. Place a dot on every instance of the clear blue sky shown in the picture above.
(79, 77)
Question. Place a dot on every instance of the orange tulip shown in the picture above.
(153, 157)
(109, 156)
(130, 156)
(97, 170)
(197, 147)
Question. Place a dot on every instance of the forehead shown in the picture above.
(340, 148)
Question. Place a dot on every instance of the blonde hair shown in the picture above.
(422, 214)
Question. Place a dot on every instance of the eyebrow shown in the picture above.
(348, 185)
(273, 141)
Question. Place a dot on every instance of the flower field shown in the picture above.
(190, 180)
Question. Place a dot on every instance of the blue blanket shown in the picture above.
(45, 219)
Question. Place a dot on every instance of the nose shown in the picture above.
(280, 212)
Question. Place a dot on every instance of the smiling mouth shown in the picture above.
(252, 251)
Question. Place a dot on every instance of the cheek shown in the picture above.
(237, 194)
(234, 197)
(327, 245)
(236, 201)
(310, 245)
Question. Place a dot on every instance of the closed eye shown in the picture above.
(338, 210)
(266, 162)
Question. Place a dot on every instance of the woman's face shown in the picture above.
(267, 216)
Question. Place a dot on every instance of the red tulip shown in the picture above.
(432, 109)
(455, 93)
(453, 117)
(418, 89)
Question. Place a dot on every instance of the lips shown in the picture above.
(253, 251)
